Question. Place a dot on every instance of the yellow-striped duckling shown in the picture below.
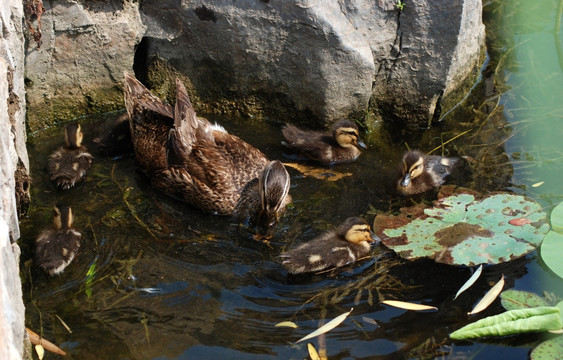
(199, 163)
(68, 165)
(341, 145)
(335, 248)
(420, 173)
(56, 248)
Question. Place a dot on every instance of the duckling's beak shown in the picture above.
(362, 144)
(406, 180)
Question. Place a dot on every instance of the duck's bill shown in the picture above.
(406, 180)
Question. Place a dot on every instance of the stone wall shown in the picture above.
(307, 59)
(13, 158)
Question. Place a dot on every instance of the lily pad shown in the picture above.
(463, 230)
(552, 245)
(550, 349)
(518, 299)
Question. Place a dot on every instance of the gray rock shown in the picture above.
(324, 60)
(13, 157)
(78, 68)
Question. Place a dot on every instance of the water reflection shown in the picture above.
(158, 279)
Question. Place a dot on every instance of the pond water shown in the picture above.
(157, 279)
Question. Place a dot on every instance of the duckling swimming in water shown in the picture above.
(335, 248)
(69, 165)
(341, 145)
(420, 173)
(56, 248)
(199, 163)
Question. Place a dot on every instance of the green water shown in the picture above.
(157, 279)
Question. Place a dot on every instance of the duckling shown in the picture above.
(199, 163)
(56, 248)
(69, 165)
(115, 139)
(341, 145)
(420, 173)
(335, 248)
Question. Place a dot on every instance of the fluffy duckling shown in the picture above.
(199, 163)
(341, 145)
(55, 248)
(115, 139)
(335, 248)
(420, 173)
(69, 165)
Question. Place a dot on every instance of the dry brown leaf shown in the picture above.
(408, 305)
(318, 172)
(49, 346)
(489, 297)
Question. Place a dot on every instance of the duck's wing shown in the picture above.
(310, 144)
(149, 120)
(139, 99)
(188, 129)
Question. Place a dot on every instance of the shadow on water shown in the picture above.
(158, 279)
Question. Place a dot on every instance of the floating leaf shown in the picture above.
(320, 173)
(538, 184)
(557, 218)
(550, 349)
(40, 351)
(327, 327)
(408, 305)
(462, 230)
(551, 250)
(290, 324)
(64, 324)
(517, 299)
(489, 297)
(47, 345)
(512, 322)
(470, 282)
(313, 352)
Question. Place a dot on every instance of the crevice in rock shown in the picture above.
(397, 44)
(141, 59)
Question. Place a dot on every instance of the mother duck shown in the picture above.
(199, 163)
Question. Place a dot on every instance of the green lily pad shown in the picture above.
(517, 299)
(551, 251)
(512, 322)
(548, 350)
(557, 218)
(552, 245)
(463, 230)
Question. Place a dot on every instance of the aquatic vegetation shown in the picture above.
(552, 246)
(464, 230)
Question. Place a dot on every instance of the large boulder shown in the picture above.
(308, 59)
(76, 67)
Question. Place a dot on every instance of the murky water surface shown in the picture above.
(157, 279)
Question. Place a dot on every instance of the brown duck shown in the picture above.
(335, 248)
(69, 165)
(341, 145)
(420, 173)
(197, 162)
(56, 248)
